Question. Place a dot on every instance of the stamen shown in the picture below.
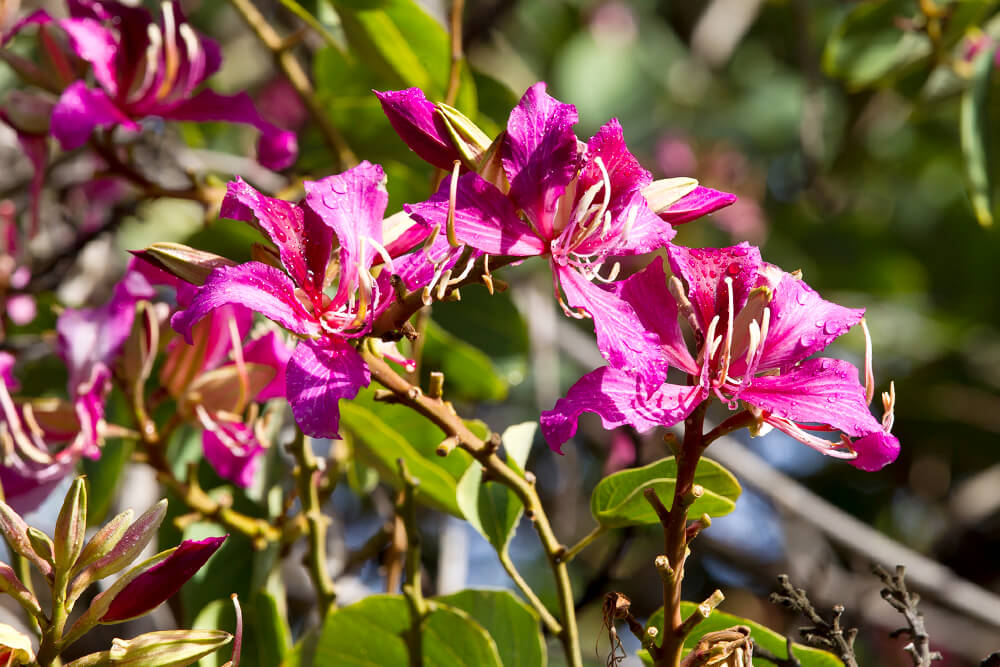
(196, 64)
(575, 313)
(466, 271)
(442, 286)
(598, 218)
(633, 214)
(452, 198)
(869, 374)
(382, 252)
(241, 367)
(615, 270)
(889, 405)
(170, 52)
(727, 355)
(431, 238)
(155, 37)
(238, 635)
(708, 347)
(819, 444)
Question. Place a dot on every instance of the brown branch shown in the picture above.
(900, 598)
(828, 635)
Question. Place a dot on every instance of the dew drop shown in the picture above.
(733, 269)
(831, 328)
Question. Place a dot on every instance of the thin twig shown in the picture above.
(828, 635)
(412, 589)
(455, 70)
(296, 76)
(900, 598)
(307, 474)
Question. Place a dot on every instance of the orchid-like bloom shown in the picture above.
(300, 296)
(43, 440)
(143, 68)
(578, 204)
(756, 329)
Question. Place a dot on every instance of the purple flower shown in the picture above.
(160, 582)
(325, 367)
(145, 68)
(578, 204)
(756, 328)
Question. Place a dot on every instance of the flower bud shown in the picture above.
(41, 544)
(470, 141)
(12, 586)
(139, 352)
(15, 531)
(188, 264)
(71, 526)
(167, 648)
(103, 541)
(664, 193)
(28, 112)
(15, 646)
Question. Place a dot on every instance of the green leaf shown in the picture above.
(380, 446)
(468, 372)
(868, 48)
(761, 636)
(974, 127)
(512, 624)
(407, 46)
(371, 633)
(492, 508)
(618, 501)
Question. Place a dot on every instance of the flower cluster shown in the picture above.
(537, 190)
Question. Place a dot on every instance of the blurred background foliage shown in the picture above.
(840, 125)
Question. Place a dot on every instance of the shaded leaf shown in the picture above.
(512, 624)
(469, 373)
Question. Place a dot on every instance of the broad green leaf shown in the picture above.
(975, 131)
(407, 46)
(469, 374)
(512, 624)
(761, 636)
(618, 501)
(380, 446)
(371, 633)
(491, 507)
(868, 47)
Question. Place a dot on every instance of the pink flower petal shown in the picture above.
(269, 350)
(233, 450)
(484, 218)
(98, 46)
(875, 451)
(701, 201)
(540, 154)
(706, 269)
(619, 398)
(417, 122)
(319, 375)
(80, 111)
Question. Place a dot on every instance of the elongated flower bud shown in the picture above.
(103, 541)
(71, 526)
(15, 531)
(186, 263)
(12, 586)
(167, 648)
(15, 647)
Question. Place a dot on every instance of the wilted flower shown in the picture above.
(755, 328)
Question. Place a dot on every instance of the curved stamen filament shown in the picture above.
(170, 52)
(452, 199)
(869, 373)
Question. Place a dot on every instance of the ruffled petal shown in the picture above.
(96, 45)
(705, 271)
(80, 110)
(802, 323)
(540, 154)
(484, 218)
(819, 391)
(701, 201)
(351, 204)
(618, 397)
(621, 336)
(303, 241)
(233, 450)
(257, 286)
(276, 148)
(646, 292)
(319, 375)
(417, 122)
(269, 350)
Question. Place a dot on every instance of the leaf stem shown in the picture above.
(412, 589)
(296, 76)
(550, 622)
(443, 415)
(584, 543)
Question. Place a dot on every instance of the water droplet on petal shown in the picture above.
(831, 328)
(733, 269)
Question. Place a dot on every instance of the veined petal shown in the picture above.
(417, 122)
(484, 218)
(351, 204)
(654, 306)
(98, 46)
(646, 231)
(276, 148)
(618, 397)
(319, 375)
(540, 154)
(269, 350)
(303, 241)
(233, 450)
(701, 201)
(875, 451)
(621, 336)
(257, 286)
(160, 582)
(80, 111)
(819, 391)
(802, 323)
(705, 271)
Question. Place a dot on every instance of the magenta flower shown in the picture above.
(325, 367)
(160, 582)
(145, 68)
(578, 204)
(756, 328)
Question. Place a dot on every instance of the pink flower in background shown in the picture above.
(756, 328)
(325, 367)
(143, 68)
(578, 204)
